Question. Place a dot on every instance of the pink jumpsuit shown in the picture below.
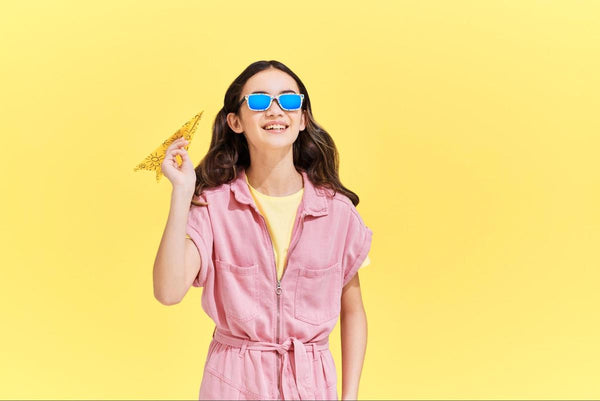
(271, 337)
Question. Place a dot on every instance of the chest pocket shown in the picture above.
(318, 294)
(239, 289)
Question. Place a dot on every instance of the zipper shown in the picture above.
(278, 291)
(278, 282)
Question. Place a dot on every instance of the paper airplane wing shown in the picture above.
(153, 161)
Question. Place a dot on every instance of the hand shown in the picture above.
(183, 176)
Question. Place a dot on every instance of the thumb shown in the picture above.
(185, 157)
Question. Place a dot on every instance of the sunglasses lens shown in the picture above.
(290, 101)
(257, 101)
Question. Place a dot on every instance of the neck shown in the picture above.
(278, 180)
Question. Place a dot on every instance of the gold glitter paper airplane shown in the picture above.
(153, 161)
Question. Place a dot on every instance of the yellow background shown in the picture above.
(469, 129)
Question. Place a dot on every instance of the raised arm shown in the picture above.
(177, 261)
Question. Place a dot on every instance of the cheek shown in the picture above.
(253, 130)
(249, 126)
(253, 134)
(254, 125)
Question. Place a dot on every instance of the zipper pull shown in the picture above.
(278, 289)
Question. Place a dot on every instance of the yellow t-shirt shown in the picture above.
(280, 213)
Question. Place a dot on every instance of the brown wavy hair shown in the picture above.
(313, 151)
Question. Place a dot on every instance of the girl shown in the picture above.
(274, 239)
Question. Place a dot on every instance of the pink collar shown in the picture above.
(313, 198)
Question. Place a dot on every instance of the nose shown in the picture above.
(274, 108)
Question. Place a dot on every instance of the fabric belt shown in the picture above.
(303, 380)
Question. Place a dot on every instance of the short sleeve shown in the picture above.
(366, 262)
(199, 229)
(356, 248)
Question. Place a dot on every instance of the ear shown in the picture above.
(303, 121)
(234, 123)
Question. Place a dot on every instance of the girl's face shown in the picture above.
(252, 123)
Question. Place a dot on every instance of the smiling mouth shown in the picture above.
(279, 130)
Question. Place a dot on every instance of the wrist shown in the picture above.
(183, 192)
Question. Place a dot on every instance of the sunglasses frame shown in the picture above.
(271, 101)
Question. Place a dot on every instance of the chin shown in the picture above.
(280, 139)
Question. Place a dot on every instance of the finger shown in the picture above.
(178, 147)
(176, 143)
(174, 148)
(178, 151)
(185, 158)
(181, 153)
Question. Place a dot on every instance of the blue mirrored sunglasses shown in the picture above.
(262, 101)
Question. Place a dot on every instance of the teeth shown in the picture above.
(275, 127)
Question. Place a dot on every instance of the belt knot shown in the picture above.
(285, 346)
(302, 378)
